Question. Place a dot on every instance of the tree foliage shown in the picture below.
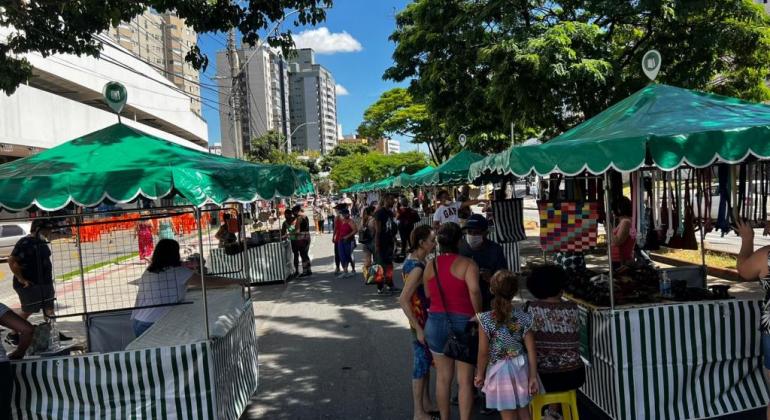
(397, 113)
(268, 148)
(481, 67)
(49, 27)
(330, 160)
(374, 166)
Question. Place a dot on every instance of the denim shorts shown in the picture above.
(437, 330)
(766, 350)
(422, 360)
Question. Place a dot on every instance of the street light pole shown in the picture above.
(288, 141)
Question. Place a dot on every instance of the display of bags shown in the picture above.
(568, 226)
(509, 220)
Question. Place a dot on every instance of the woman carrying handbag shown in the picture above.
(452, 284)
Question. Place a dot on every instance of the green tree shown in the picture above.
(373, 166)
(481, 67)
(268, 148)
(264, 145)
(397, 113)
(50, 27)
(330, 160)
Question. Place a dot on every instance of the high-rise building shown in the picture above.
(162, 40)
(313, 104)
(177, 40)
(264, 97)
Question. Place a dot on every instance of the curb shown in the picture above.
(722, 273)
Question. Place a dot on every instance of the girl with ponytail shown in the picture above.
(507, 363)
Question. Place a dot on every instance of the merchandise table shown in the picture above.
(158, 376)
(680, 361)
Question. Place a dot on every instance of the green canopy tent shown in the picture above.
(120, 163)
(305, 182)
(660, 127)
(380, 185)
(452, 172)
(672, 126)
(403, 180)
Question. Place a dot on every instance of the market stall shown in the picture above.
(657, 346)
(200, 359)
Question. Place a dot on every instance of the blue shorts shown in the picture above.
(422, 360)
(766, 350)
(437, 330)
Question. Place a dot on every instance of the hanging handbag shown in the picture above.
(465, 347)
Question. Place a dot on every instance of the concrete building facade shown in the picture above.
(264, 94)
(63, 100)
(162, 40)
(313, 104)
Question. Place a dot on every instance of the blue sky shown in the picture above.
(365, 54)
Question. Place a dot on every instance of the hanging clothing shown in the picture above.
(509, 220)
(723, 217)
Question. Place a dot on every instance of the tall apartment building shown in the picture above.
(162, 40)
(313, 104)
(264, 95)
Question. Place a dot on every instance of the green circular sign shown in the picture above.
(115, 94)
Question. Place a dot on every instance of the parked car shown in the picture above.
(10, 233)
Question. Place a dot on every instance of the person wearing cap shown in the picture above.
(488, 255)
(30, 262)
(302, 229)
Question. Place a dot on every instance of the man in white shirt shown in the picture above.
(448, 210)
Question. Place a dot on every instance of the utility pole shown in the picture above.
(235, 93)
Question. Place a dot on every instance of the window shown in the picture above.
(12, 230)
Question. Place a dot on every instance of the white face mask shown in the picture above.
(474, 241)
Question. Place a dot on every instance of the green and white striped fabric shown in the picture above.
(236, 366)
(680, 361)
(162, 383)
(267, 263)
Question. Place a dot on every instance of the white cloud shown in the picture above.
(340, 90)
(324, 42)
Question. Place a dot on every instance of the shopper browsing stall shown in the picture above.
(414, 303)
(488, 255)
(556, 327)
(448, 210)
(165, 282)
(345, 241)
(623, 240)
(385, 243)
(507, 365)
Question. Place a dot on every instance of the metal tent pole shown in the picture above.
(244, 256)
(608, 229)
(202, 272)
(78, 245)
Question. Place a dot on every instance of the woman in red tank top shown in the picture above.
(623, 241)
(451, 306)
